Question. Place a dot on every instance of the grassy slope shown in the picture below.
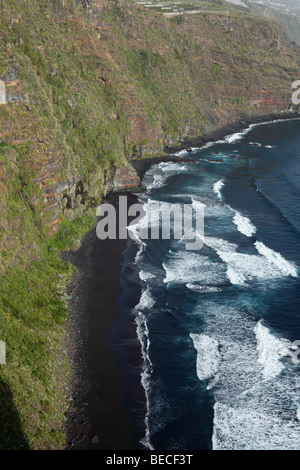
(33, 383)
(97, 89)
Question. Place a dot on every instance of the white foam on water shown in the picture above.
(156, 213)
(211, 143)
(217, 188)
(233, 137)
(287, 268)
(270, 351)
(146, 276)
(146, 300)
(235, 277)
(145, 304)
(134, 230)
(208, 355)
(143, 336)
(244, 224)
(172, 167)
(220, 210)
(183, 267)
(239, 369)
(218, 244)
(181, 153)
(155, 177)
(139, 254)
(243, 428)
(145, 441)
(197, 204)
(238, 135)
(159, 180)
(203, 289)
(256, 407)
(242, 268)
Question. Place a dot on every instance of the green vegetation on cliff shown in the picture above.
(88, 90)
(33, 311)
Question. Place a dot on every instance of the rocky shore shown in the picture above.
(142, 165)
(97, 418)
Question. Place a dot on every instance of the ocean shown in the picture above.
(215, 327)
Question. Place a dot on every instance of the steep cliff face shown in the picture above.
(91, 86)
(291, 22)
(86, 87)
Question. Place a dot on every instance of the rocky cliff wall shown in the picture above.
(91, 86)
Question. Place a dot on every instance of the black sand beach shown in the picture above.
(97, 418)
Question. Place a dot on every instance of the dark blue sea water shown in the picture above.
(216, 326)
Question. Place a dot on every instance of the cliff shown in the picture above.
(290, 22)
(88, 87)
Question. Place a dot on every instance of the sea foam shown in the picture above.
(250, 392)
(203, 289)
(234, 137)
(242, 268)
(244, 224)
(286, 267)
(208, 355)
(244, 428)
(146, 300)
(218, 244)
(270, 351)
(184, 267)
(143, 336)
(217, 188)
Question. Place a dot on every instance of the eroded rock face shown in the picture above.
(125, 178)
(126, 84)
(75, 198)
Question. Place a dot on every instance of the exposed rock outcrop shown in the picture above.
(106, 83)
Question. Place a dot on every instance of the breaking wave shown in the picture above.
(244, 224)
(217, 188)
(208, 355)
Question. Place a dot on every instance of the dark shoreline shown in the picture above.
(142, 165)
(230, 128)
(97, 419)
